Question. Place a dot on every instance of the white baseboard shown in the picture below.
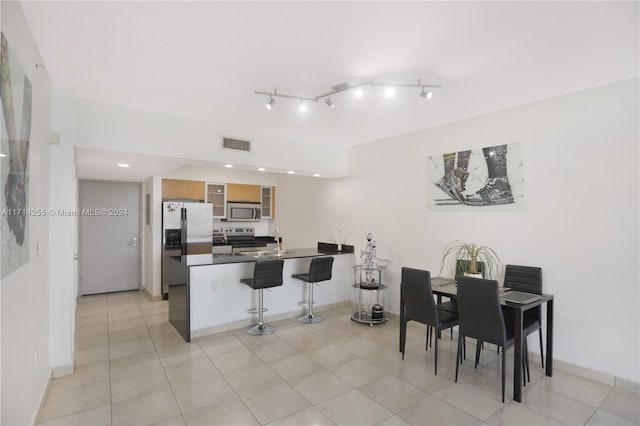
(64, 370)
(150, 296)
(43, 398)
(627, 385)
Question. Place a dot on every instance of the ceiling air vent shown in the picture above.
(239, 144)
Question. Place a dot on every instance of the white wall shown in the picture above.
(63, 274)
(580, 223)
(153, 243)
(25, 292)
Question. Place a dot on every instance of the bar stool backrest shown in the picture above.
(268, 273)
(320, 269)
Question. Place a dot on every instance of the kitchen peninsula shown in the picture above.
(206, 296)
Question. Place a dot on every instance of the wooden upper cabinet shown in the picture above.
(175, 189)
(243, 193)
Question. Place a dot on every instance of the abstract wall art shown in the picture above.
(15, 91)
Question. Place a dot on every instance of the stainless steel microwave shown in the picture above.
(243, 212)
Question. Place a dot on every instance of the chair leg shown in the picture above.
(426, 347)
(478, 343)
(309, 317)
(436, 357)
(458, 355)
(403, 335)
(464, 349)
(504, 363)
(541, 348)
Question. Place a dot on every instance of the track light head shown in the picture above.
(329, 103)
(427, 95)
(271, 103)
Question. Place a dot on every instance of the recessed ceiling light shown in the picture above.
(125, 165)
(389, 92)
(228, 166)
(358, 93)
(316, 175)
(261, 169)
(3, 155)
(291, 172)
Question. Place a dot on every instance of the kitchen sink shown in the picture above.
(265, 253)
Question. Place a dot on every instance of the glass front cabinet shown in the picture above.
(217, 196)
(267, 198)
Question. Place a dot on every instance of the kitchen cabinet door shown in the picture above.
(217, 196)
(243, 193)
(268, 202)
(175, 189)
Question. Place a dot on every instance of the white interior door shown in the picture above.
(109, 237)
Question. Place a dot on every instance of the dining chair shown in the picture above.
(417, 304)
(461, 266)
(528, 279)
(480, 317)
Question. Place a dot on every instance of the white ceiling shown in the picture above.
(205, 59)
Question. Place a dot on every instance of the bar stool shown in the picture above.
(266, 274)
(319, 270)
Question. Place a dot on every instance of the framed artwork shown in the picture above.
(15, 91)
(478, 179)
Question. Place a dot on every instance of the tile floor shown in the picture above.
(132, 368)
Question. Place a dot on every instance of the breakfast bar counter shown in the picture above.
(207, 297)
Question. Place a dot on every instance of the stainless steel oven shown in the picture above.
(243, 212)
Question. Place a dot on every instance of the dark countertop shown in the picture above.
(222, 259)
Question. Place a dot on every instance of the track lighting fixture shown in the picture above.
(329, 103)
(342, 87)
(271, 103)
(427, 95)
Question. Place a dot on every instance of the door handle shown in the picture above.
(133, 242)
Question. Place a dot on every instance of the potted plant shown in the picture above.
(470, 259)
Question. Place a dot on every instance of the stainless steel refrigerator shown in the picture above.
(186, 229)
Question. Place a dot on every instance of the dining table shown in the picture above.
(447, 287)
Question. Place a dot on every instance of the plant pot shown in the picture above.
(476, 275)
